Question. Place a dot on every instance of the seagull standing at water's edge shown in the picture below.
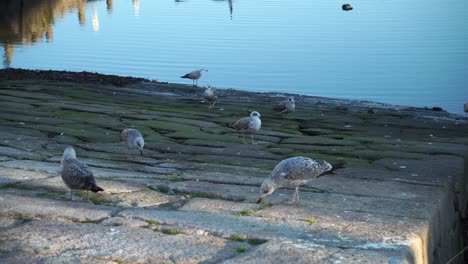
(248, 125)
(194, 76)
(133, 139)
(293, 172)
(76, 174)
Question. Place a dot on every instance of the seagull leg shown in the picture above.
(251, 137)
(71, 195)
(293, 200)
(87, 195)
(297, 195)
(243, 138)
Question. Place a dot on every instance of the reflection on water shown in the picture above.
(397, 53)
(25, 22)
(136, 7)
(230, 6)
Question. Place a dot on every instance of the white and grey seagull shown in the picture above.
(292, 173)
(133, 139)
(211, 95)
(76, 174)
(194, 76)
(249, 124)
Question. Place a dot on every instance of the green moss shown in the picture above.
(151, 222)
(237, 238)
(46, 248)
(256, 241)
(72, 114)
(251, 211)
(46, 194)
(99, 199)
(241, 249)
(14, 185)
(244, 212)
(81, 193)
(312, 220)
(171, 231)
(175, 179)
(206, 195)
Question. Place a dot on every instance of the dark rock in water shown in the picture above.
(371, 111)
(437, 109)
(347, 7)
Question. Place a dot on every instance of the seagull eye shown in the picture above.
(266, 191)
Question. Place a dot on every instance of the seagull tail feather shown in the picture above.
(336, 166)
(95, 188)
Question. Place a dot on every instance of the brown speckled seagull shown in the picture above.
(194, 76)
(133, 139)
(76, 174)
(286, 107)
(293, 172)
(249, 124)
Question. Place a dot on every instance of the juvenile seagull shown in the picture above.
(76, 174)
(133, 139)
(194, 76)
(287, 106)
(211, 96)
(248, 125)
(293, 172)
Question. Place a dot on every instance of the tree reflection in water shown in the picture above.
(25, 22)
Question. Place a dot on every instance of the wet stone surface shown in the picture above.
(191, 197)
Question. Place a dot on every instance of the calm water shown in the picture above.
(400, 52)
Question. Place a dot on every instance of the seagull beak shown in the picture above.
(259, 199)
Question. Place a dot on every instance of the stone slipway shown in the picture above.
(400, 198)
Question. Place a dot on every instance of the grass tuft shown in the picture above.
(237, 238)
(312, 220)
(241, 249)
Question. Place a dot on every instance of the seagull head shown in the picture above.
(140, 144)
(291, 99)
(69, 153)
(255, 114)
(267, 188)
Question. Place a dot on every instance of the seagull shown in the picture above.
(248, 125)
(194, 76)
(211, 96)
(293, 172)
(76, 174)
(133, 139)
(287, 106)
